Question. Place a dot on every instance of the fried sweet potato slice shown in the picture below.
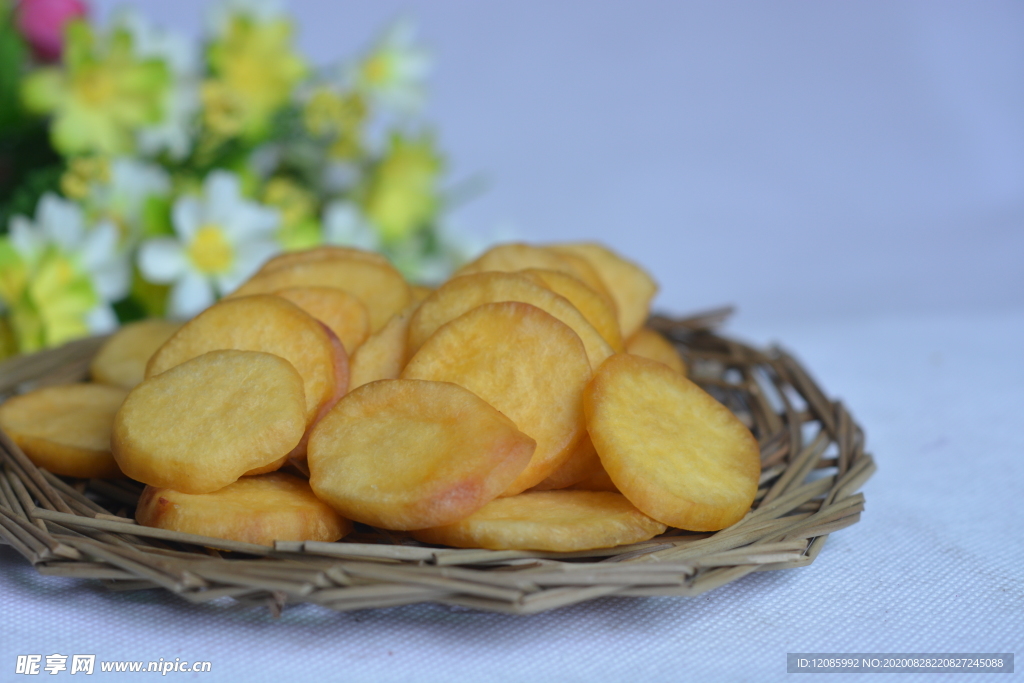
(525, 363)
(674, 451)
(324, 252)
(204, 423)
(263, 323)
(650, 344)
(462, 294)
(272, 467)
(419, 292)
(588, 275)
(555, 521)
(596, 480)
(66, 428)
(121, 361)
(578, 467)
(516, 256)
(380, 287)
(344, 313)
(595, 308)
(384, 353)
(407, 454)
(261, 510)
(630, 286)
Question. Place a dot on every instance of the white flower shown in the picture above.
(221, 239)
(346, 226)
(393, 71)
(59, 228)
(153, 42)
(123, 198)
(175, 132)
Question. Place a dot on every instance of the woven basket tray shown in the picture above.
(812, 463)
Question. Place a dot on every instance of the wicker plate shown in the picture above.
(812, 459)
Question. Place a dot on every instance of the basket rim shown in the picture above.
(813, 463)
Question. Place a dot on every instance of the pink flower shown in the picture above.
(42, 24)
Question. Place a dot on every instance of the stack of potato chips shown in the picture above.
(520, 405)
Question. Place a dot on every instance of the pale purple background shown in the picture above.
(794, 158)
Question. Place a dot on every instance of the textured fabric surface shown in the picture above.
(935, 565)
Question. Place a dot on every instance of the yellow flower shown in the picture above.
(82, 174)
(223, 109)
(14, 273)
(401, 196)
(255, 70)
(101, 96)
(294, 203)
(338, 117)
(55, 305)
(57, 276)
(297, 208)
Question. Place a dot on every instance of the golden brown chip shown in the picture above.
(263, 323)
(594, 307)
(272, 467)
(121, 361)
(515, 256)
(407, 454)
(525, 363)
(341, 378)
(324, 252)
(554, 521)
(674, 451)
(588, 275)
(66, 428)
(649, 344)
(343, 313)
(339, 359)
(261, 510)
(462, 294)
(629, 284)
(580, 465)
(419, 293)
(383, 355)
(596, 480)
(380, 287)
(204, 423)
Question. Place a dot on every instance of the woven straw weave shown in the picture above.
(812, 459)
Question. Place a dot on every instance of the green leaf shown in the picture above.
(149, 298)
(13, 53)
(156, 217)
(13, 273)
(34, 169)
(305, 235)
(8, 340)
(129, 310)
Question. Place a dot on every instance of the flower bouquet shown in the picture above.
(146, 175)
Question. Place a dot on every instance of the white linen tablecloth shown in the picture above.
(935, 565)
